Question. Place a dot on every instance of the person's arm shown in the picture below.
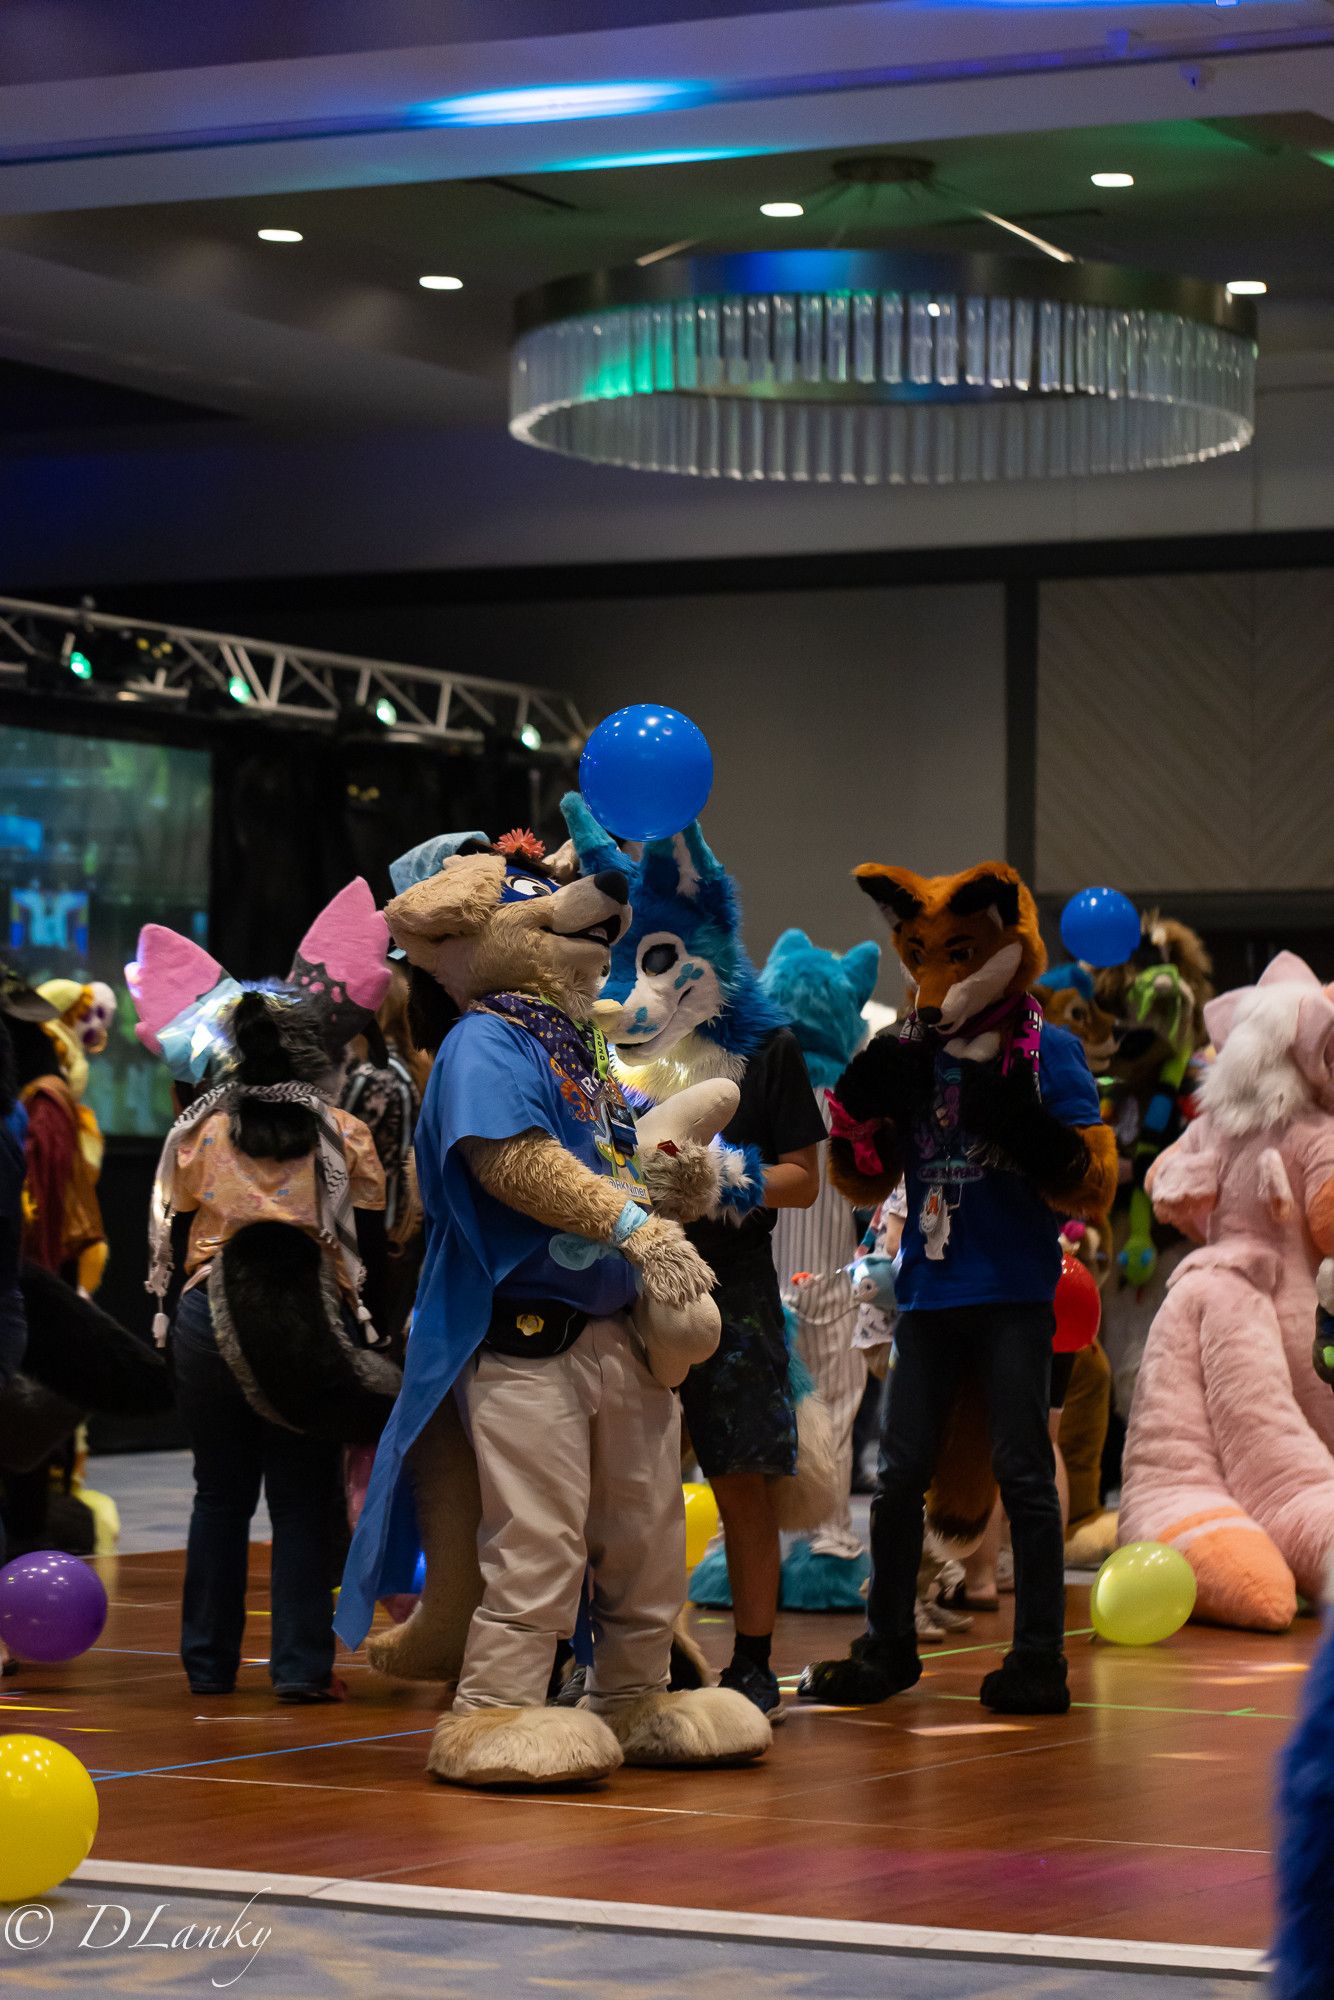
(794, 1179)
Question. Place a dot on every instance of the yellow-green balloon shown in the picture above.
(48, 1816)
(701, 1521)
(1143, 1593)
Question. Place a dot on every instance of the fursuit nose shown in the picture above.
(613, 883)
(930, 1017)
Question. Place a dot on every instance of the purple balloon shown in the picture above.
(52, 1606)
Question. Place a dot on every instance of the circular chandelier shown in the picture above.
(877, 368)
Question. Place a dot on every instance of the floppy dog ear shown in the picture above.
(455, 902)
(993, 886)
(897, 890)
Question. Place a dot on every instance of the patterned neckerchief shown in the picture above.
(1017, 1018)
(582, 1052)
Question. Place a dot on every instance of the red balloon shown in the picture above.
(1078, 1308)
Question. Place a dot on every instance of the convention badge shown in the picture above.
(934, 1223)
(617, 1145)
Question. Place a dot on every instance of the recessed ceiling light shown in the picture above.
(280, 236)
(1246, 288)
(1112, 180)
(433, 284)
(781, 209)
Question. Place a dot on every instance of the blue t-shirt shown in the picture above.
(493, 1080)
(1003, 1244)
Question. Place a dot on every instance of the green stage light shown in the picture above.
(239, 689)
(385, 712)
(81, 666)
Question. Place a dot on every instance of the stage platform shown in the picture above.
(1143, 1817)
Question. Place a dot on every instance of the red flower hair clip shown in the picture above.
(522, 844)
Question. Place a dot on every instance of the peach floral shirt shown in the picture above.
(227, 1189)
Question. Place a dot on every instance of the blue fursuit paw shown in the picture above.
(813, 1582)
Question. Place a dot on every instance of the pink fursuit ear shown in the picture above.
(341, 961)
(1313, 1043)
(169, 974)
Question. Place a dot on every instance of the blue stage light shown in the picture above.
(538, 104)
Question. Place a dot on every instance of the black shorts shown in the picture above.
(738, 1404)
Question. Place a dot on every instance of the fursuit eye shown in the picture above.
(528, 886)
(963, 956)
(659, 958)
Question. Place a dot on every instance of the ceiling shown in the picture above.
(136, 167)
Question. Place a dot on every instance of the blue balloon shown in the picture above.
(1101, 926)
(646, 772)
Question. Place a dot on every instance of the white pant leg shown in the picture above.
(636, 1521)
(529, 1422)
(839, 1373)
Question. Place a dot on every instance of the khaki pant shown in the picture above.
(578, 1459)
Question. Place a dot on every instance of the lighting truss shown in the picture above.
(292, 684)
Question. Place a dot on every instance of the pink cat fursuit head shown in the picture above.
(1230, 1456)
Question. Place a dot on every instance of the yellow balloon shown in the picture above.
(48, 1816)
(701, 1521)
(1143, 1593)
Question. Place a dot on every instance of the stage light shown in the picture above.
(385, 712)
(530, 736)
(1112, 180)
(781, 210)
(432, 284)
(80, 665)
(932, 310)
(1246, 288)
(280, 236)
(240, 689)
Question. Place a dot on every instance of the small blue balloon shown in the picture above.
(1101, 926)
(646, 772)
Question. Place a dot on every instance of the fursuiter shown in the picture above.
(537, 1435)
(1230, 1454)
(683, 1005)
(1068, 1000)
(991, 1117)
(75, 1361)
(823, 995)
(1154, 1074)
(275, 1299)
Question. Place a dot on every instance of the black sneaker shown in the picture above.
(758, 1684)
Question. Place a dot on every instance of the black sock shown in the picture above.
(753, 1647)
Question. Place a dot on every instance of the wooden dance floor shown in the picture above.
(1145, 1814)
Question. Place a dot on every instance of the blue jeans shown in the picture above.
(1008, 1349)
(234, 1450)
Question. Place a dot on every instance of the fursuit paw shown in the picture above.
(417, 1650)
(697, 1726)
(1091, 1541)
(1027, 1684)
(672, 1272)
(685, 1183)
(874, 1670)
(505, 1747)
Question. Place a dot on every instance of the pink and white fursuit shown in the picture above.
(1230, 1456)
